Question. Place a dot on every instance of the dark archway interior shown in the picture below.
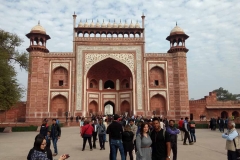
(109, 71)
(109, 85)
(224, 114)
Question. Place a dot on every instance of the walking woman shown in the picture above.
(143, 143)
(86, 133)
(127, 138)
(101, 134)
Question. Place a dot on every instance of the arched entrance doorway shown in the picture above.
(224, 114)
(109, 108)
(115, 83)
(59, 105)
(93, 107)
(125, 107)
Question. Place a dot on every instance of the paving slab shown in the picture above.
(16, 145)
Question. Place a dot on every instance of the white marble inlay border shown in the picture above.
(64, 65)
(154, 65)
(65, 94)
(163, 93)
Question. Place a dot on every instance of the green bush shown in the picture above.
(1, 129)
(202, 126)
(24, 129)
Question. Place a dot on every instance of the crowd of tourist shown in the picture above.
(147, 139)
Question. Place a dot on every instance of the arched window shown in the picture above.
(124, 84)
(109, 84)
(93, 84)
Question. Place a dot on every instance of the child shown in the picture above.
(48, 139)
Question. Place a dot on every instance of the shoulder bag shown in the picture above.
(237, 150)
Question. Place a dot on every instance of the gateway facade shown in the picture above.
(107, 72)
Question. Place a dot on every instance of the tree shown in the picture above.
(224, 95)
(10, 90)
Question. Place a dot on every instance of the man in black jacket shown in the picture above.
(44, 128)
(55, 135)
(115, 131)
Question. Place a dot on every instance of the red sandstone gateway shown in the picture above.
(107, 72)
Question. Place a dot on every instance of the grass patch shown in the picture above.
(24, 129)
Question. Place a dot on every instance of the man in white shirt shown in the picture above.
(231, 136)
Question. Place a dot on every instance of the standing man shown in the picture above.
(192, 130)
(115, 131)
(221, 125)
(95, 131)
(134, 129)
(186, 132)
(161, 145)
(230, 137)
(44, 128)
(173, 132)
(55, 135)
(180, 127)
(101, 134)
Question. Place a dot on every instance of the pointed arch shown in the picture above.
(93, 107)
(158, 104)
(60, 77)
(59, 105)
(157, 77)
(125, 107)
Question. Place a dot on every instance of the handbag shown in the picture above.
(237, 150)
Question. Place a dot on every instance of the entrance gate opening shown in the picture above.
(109, 108)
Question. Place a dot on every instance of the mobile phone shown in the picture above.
(67, 156)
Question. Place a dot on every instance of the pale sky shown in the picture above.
(213, 59)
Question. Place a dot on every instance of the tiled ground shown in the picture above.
(15, 146)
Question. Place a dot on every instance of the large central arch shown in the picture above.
(113, 79)
(90, 55)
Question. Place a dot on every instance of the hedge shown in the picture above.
(24, 129)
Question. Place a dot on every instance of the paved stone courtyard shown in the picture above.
(15, 146)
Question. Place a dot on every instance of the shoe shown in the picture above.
(194, 141)
(90, 149)
(103, 148)
(94, 147)
(54, 154)
(191, 143)
(185, 144)
(82, 149)
(100, 148)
